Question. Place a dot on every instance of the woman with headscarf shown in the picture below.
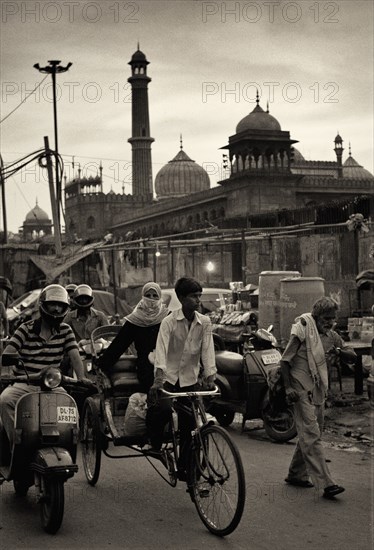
(141, 329)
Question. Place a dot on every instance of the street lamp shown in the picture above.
(54, 68)
(210, 267)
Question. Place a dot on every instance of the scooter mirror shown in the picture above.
(9, 359)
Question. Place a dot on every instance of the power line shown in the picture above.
(23, 101)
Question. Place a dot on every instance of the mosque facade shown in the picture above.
(267, 173)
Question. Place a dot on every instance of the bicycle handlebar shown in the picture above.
(203, 393)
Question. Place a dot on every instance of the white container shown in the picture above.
(297, 296)
(269, 299)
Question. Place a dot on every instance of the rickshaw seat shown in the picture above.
(123, 377)
(125, 383)
(126, 363)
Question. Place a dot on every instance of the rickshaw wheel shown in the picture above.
(91, 441)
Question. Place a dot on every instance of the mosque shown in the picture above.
(37, 224)
(266, 172)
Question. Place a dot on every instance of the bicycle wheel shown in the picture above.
(91, 441)
(216, 480)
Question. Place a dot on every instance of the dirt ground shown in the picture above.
(349, 418)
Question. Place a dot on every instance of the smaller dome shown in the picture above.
(258, 119)
(298, 158)
(351, 169)
(181, 176)
(138, 57)
(338, 139)
(37, 215)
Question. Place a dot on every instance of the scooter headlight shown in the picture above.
(52, 378)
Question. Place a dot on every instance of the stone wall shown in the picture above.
(335, 256)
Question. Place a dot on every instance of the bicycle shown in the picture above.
(214, 474)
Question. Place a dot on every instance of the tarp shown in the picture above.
(53, 266)
(104, 301)
(365, 279)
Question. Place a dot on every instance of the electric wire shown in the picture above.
(10, 164)
(23, 101)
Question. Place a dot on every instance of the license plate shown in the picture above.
(271, 358)
(67, 415)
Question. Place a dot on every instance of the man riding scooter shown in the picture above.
(84, 318)
(40, 343)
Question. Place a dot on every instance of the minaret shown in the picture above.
(339, 153)
(140, 139)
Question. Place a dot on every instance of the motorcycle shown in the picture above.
(45, 441)
(244, 384)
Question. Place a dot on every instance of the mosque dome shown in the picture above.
(181, 176)
(37, 215)
(258, 119)
(297, 156)
(353, 170)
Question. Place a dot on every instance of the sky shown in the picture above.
(313, 62)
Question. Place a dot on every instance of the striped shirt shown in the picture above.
(36, 352)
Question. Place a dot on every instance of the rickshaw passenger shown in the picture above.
(141, 329)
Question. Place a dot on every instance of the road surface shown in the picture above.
(132, 508)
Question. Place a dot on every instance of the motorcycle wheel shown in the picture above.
(52, 504)
(224, 416)
(279, 426)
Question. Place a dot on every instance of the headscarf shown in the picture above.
(148, 311)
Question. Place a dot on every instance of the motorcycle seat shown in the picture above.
(229, 362)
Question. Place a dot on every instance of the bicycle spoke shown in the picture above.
(217, 480)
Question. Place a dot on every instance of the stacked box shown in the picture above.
(361, 328)
(367, 332)
(354, 328)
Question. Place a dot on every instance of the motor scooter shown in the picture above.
(244, 384)
(45, 441)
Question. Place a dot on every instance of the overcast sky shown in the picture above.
(312, 60)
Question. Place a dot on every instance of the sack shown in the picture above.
(277, 391)
(136, 411)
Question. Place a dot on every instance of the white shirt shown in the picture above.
(179, 348)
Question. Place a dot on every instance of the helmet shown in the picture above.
(83, 296)
(265, 337)
(70, 289)
(53, 294)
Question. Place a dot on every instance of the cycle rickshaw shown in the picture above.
(215, 475)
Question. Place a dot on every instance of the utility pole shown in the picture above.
(2, 183)
(54, 68)
(56, 225)
(244, 259)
